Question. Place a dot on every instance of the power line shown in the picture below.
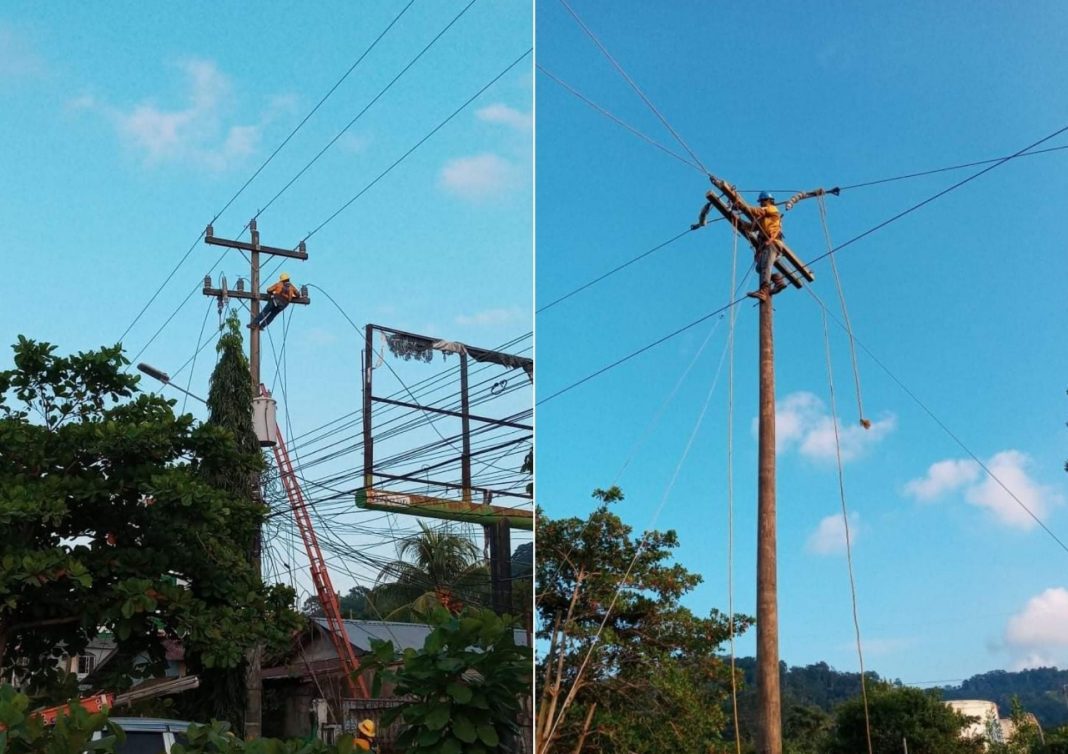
(619, 121)
(260, 169)
(841, 246)
(634, 85)
(419, 143)
(367, 107)
(941, 193)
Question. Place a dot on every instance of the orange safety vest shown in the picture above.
(769, 220)
(285, 290)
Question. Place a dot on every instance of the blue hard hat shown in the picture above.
(765, 195)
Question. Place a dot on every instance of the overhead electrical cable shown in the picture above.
(836, 249)
(634, 85)
(273, 154)
(367, 107)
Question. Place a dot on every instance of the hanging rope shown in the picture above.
(845, 520)
(730, 493)
(845, 311)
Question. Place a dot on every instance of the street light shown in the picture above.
(165, 378)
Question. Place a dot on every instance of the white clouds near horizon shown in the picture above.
(1035, 636)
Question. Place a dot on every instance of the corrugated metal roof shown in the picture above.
(403, 635)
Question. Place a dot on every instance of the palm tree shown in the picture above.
(435, 567)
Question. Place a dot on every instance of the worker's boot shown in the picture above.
(762, 294)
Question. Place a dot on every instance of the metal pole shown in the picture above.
(368, 374)
(500, 542)
(465, 409)
(769, 701)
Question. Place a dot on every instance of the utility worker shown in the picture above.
(281, 293)
(765, 232)
(769, 222)
(365, 735)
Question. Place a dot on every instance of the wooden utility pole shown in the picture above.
(769, 701)
(254, 681)
(769, 732)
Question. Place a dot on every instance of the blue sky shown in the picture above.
(126, 129)
(962, 301)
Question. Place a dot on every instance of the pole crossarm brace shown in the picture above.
(796, 268)
(449, 510)
(299, 253)
(231, 293)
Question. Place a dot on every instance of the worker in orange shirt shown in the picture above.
(365, 736)
(280, 295)
(766, 232)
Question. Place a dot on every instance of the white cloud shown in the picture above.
(802, 421)
(195, 134)
(1010, 466)
(490, 317)
(829, 538)
(478, 177)
(1035, 636)
(18, 59)
(354, 143)
(943, 477)
(505, 115)
(984, 491)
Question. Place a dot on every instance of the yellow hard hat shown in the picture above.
(367, 727)
(284, 277)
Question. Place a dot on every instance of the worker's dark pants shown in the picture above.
(766, 259)
(269, 312)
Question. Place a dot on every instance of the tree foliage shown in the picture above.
(223, 691)
(651, 679)
(898, 714)
(112, 525)
(466, 684)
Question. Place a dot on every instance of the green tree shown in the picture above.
(436, 567)
(222, 694)
(467, 684)
(898, 714)
(111, 525)
(651, 679)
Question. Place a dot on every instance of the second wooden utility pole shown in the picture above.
(253, 682)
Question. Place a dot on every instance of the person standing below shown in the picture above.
(365, 736)
(280, 295)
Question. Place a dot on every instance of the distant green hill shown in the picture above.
(1043, 691)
